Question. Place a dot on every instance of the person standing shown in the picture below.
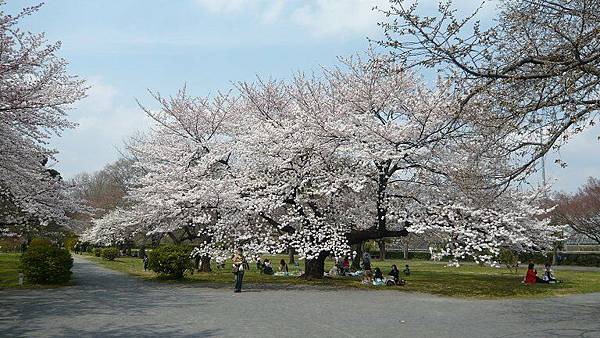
(366, 261)
(238, 269)
(145, 259)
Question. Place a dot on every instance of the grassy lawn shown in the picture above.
(428, 277)
(9, 270)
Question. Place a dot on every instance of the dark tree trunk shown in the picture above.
(381, 244)
(291, 253)
(205, 264)
(174, 238)
(356, 259)
(315, 268)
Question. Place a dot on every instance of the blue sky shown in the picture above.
(123, 48)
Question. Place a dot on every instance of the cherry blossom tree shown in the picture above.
(534, 70)
(35, 92)
(319, 163)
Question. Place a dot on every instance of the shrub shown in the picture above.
(97, 252)
(46, 264)
(580, 259)
(109, 253)
(170, 260)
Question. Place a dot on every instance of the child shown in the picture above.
(548, 276)
(368, 278)
(406, 270)
(267, 268)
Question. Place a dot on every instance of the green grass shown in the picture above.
(9, 270)
(469, 280)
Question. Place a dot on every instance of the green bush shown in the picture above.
(109, 253)
(97, 252)
(46, 264)
(170, 260)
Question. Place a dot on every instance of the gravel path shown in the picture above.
(105, 303)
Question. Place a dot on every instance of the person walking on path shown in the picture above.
(238, 269)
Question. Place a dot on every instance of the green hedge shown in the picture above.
(400, 255)
(109, 253)
(46, 264)
(580, 259)
(170, 260)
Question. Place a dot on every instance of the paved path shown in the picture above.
(105, 303)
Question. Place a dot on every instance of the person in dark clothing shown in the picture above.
(366, 261)
(267, 268)
(259, 265)
(238, 261)
(145, 263)
(395, 273)
(378, 274)
(406, 270)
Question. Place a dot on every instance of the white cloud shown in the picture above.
(224, 6)
(339, 18)
(105, 120)
(327, 18)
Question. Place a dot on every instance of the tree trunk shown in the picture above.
(315, 268)
(381, 244)
(205, 264)
(291, 253)
(405, 250)
(356, 259)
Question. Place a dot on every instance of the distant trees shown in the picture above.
(35, 92)
(581, 210)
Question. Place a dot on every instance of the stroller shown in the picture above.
(391, 281)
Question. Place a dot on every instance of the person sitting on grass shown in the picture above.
(346, 264)
(531, 276)
(283, 266)
(548, 275)
(267, 268)
(378, 277)
(395, 273)
(406, 270)
(368, 278)
(334, 271)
